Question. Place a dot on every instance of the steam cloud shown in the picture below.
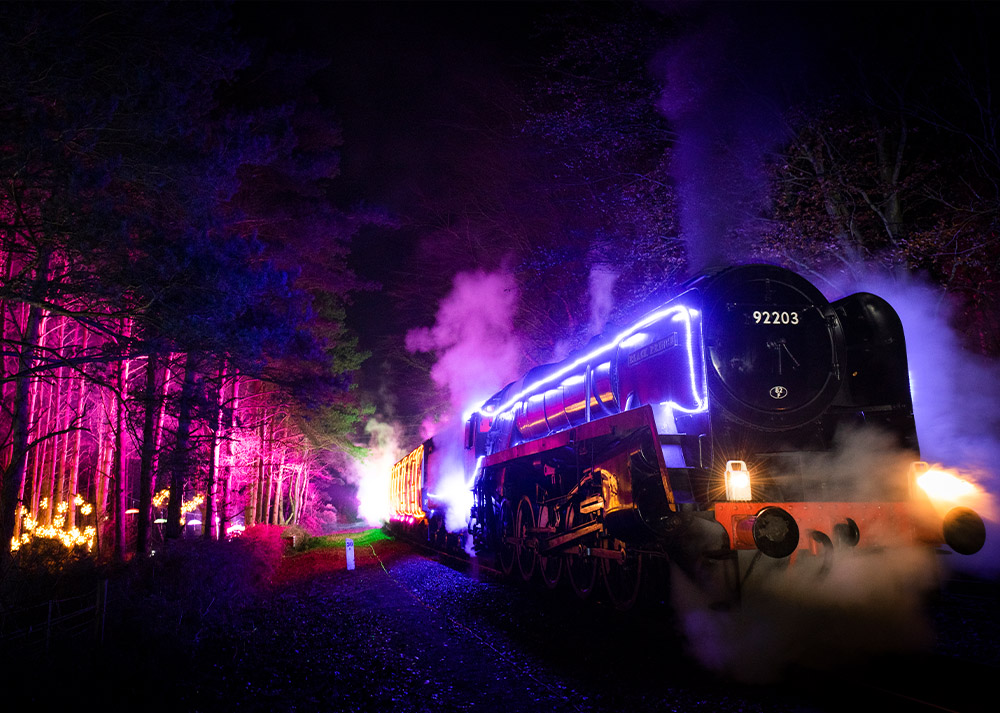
(864, 605)
(602, 283)
(373, 472)
(817, 612)
(477, 353)
(473, 338)
(718, 84)
(956, 401)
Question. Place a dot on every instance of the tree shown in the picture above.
(605, 146)
(120, 157)
(899, 170)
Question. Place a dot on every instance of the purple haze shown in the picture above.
(719, 82)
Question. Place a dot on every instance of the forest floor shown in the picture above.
(405, 631)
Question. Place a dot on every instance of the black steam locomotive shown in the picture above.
(709, 434)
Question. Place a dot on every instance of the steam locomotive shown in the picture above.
(710, 434)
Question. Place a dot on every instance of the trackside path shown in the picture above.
(406, 633)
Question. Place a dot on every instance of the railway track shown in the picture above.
(931, 682)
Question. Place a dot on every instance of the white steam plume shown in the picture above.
(473, 338)
(816, 612)
(956, 401)
(602, 284)
(373, 472)
(866, 604)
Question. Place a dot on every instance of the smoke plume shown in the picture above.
(720, 86)
(865, 604)
(477, 353)
(821, 610)
(473, 338)
(956, 401)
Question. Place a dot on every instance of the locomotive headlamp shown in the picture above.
(737, 481)
(941, 484)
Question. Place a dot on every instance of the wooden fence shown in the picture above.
(36, 629)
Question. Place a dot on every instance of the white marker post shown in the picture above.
(350, 553)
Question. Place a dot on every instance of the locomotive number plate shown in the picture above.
(775, 317)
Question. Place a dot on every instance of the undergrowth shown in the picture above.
(192, 587)
(189, 602)
(338, 541)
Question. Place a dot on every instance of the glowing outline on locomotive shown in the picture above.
(590, 357)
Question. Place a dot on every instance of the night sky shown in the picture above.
(402, 76)
(407, 81)
(399, 79)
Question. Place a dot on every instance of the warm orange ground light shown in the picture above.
(301, 567)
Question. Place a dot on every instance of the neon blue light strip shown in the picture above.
(699, 395)
(678, 312)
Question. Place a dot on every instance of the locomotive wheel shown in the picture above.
(551, 567)
(526, 556)
(505, 550)
(582, 570)
(623, 581)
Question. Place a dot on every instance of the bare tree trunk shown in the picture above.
(208, 529)
(258, 490)
(302, 495)
(147, 484)
(13, 475)
(8, 269)
(40, 452)
(32, 466)
(179, 466)
(297, 491)
(118, 466)
(227, 474)
(103, 470)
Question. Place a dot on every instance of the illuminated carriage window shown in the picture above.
(405, 486)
